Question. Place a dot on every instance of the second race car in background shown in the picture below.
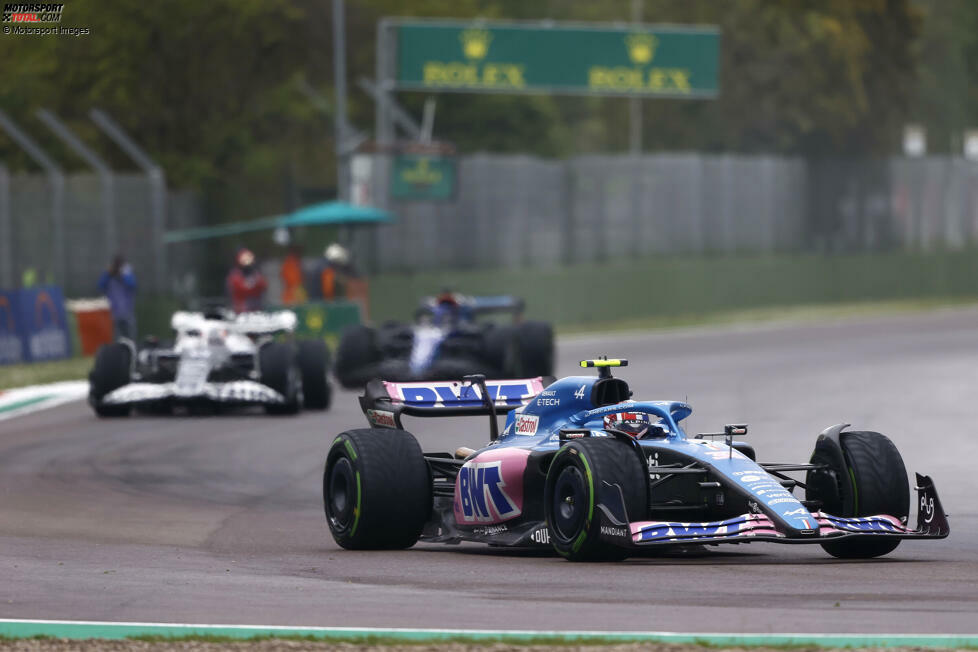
(448, 341)
(218, 358)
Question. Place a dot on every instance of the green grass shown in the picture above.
(461, 639)
(686, 289)
(38, 373)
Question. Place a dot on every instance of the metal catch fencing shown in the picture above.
(520, 211)
(30, 234)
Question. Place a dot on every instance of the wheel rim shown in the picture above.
(569, 503)
(342, 494)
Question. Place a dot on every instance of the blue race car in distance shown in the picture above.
(447, 340)
(583, 468)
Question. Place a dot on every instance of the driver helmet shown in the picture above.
(634, 424)
(447, 298)
(336, 254)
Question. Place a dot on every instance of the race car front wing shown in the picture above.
(237, 392)
(931, 524)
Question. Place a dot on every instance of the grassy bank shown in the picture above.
(21, 375)
(700, 288)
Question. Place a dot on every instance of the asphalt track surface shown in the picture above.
(219, 519)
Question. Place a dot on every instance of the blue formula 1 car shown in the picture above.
(448, 339)
(583, 468)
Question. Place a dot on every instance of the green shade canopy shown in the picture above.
(324, 214)
(336, 212)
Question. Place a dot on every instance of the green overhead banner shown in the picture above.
(420, 177)
(644, 60)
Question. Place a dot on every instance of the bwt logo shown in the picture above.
(28, 12)
(480, 492)
(449, 394)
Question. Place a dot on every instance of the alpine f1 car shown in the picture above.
(447, 341)
(218, 358)
(583, 468)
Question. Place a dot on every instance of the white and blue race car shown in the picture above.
(218, 358)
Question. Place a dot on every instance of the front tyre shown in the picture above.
(112, 370)
(312, 357)
(356, 356)
(535, 349)
(376, 489)
(868, 479)
(279, 371)
(578, 471)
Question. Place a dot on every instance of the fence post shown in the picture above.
(6, 235)
(157, 182)
(57, 180)
(106, 177)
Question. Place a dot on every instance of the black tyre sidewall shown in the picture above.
(878, 484)
(312, 357)
(535, 349)
(111, 371)
(598, 460)
(278, 371)
(393, 496)
(356, 356)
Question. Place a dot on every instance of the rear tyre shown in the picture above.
(577, 472)
(535, 349)
(278, 371)
(313, 360)
(112, 370)
(376, 489)
(870, 479)
(356, 356)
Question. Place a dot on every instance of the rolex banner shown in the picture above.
(648, 60)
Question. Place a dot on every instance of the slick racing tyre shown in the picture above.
(376, 489)
(112, 370)
(312, 357)
(535, 349)
(866, 479)
(356, 356)
(576, 476)
(278, 371)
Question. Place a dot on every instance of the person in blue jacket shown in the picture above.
(118, 284)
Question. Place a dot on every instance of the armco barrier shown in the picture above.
(33, 321)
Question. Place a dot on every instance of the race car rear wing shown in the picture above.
(384, 402)
(477, 306)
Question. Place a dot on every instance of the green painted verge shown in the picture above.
(86, 630)
(24, 403)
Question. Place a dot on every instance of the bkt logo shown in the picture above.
(480, 492)
(456, 394)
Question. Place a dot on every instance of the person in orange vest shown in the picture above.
(291, 272)
(336, 271)
(245, 283)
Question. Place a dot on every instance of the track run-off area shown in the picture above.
(219, 519)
